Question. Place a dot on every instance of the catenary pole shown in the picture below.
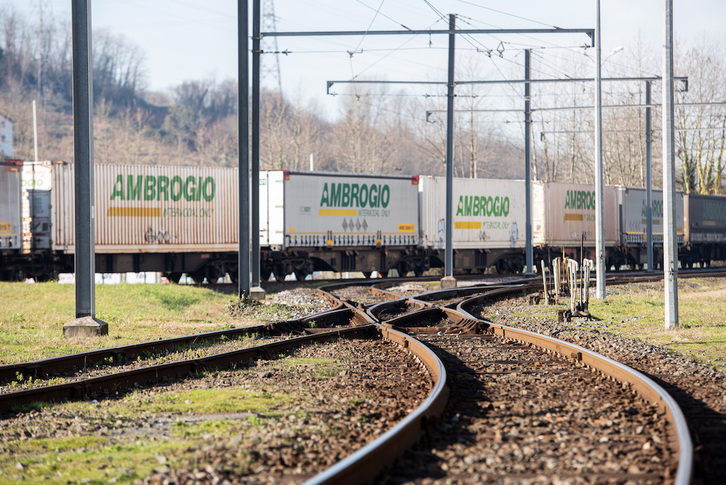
(256, 291)
(670, 243)
(648, 176)
(243, 132)
(83, 159)
(449, 257)
(599, 207)
(527, 164)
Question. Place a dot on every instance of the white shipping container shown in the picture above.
(487, 213)
(635, 216)
(331, 209)
(562, 213)
(10, 208)
(36, 202)
(152, 208)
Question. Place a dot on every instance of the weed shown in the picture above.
(17, 318)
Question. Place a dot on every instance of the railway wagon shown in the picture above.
(10, 212)
(339, 222)
(172, 220)
(488, 223)
(633, 216)
(705, 230)
(563, 220)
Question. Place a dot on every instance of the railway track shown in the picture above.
(518, 398)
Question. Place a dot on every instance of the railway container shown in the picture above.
(563, 213)
(634, 217)
(331, 221)
(141, 209)
(488, 222)
(169, 219)
(705, 235)
(633, 227)
(10, 208)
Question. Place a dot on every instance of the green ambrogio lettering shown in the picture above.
(355, 195)
(209, 189)
(373, 200)
(150, 188)
(175, 188)
(190, 186)
(161, 188)
(346, 195)
(335, 193)
(482, 206)
(133, 192)
(118, 188)
(580, 200)
(354, 188)
(385, 196)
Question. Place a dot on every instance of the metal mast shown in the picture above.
(670, 240)
(270, 69)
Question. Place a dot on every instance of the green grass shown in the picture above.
(32, 316)
(79, 456)
(637, 311)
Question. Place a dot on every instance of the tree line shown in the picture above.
(376, 130)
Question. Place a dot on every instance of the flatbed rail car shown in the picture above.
(339, 222)
(177, 220)
(488, 223)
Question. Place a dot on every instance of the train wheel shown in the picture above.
(367, 274)
(281, 270)
(174, 277)
(402, 269)
(213, 272)
(265, 272)
(301, 274)
(197, 276)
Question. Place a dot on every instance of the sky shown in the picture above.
(188, 39)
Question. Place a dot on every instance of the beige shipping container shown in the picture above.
(149, 209)
(562, 213)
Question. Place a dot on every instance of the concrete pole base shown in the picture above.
(85, 327)
(448, 282)
(257, 293)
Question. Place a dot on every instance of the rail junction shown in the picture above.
(500, 402)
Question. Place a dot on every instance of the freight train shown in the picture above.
(184, 220)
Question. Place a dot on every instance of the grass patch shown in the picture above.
(133, 453)
(88, 459)
(636, 311)
(32, 316)
(253, 309)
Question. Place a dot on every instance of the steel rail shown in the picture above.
(366, 463)
(646, 387)
(44, 367)
(103, 385)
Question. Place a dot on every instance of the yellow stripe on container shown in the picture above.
(467, 225)
(6, 227)
(338, 212)
(574, 217)
(134, 212)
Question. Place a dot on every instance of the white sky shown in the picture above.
(188, 39)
